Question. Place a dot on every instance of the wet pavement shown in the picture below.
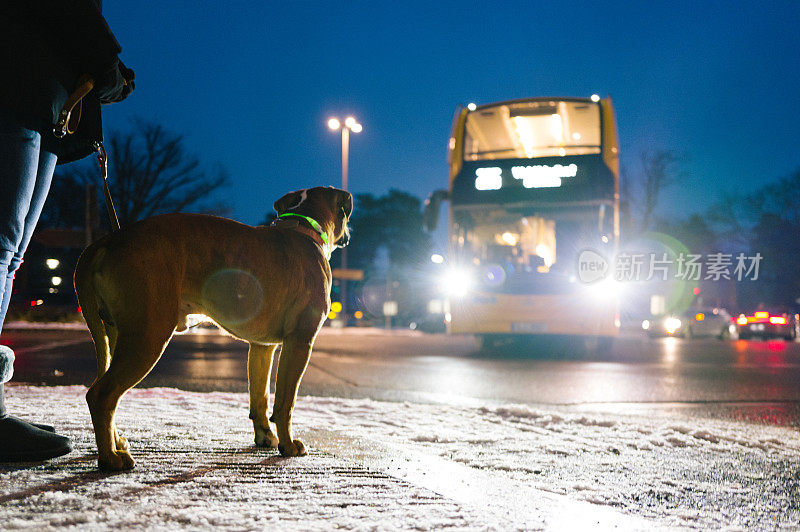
(748, 380)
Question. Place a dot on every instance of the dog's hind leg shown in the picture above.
(135, 354)
(292, 364)
(90, 308)
(259, 365)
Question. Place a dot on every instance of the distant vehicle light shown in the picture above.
(646, 324)
(777, 320)
(742, 320)
(194, 321)
(671, 325)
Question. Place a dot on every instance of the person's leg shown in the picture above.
(25, 174)
(44, 176)
(19, 162)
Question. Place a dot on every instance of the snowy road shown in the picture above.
(387, 465)
(415, 431)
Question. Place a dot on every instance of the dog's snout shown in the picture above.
(345, 238)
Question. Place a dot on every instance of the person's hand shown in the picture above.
(115, 83)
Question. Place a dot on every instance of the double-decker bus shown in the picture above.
(534, 186)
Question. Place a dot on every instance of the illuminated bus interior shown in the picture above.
(525, 254)
(531, 129)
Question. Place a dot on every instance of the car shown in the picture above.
(768, 324)
(694, 323)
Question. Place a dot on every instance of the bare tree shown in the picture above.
(151, 173)
(641, 191)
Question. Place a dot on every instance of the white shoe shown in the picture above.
(6, 363)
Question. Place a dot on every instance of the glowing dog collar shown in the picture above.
(314, 225)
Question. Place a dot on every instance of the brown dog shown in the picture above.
(264, 285)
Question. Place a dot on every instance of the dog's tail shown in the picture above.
(92, 308)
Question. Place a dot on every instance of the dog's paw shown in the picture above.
(118, 461)
(293, 448)
(265, 438)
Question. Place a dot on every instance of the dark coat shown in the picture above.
(45, 47)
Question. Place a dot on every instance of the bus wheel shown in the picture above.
(500, 344)
(598, 346)
(489, 342)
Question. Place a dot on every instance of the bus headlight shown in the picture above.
(456, 283)
(605, 289)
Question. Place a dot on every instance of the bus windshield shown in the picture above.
(529, 129)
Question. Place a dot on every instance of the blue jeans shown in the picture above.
(27, 161)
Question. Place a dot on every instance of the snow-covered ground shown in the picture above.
(382, 465)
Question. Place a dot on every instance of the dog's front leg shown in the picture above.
(293, 361)
(259, 365)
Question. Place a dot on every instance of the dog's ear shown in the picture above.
(292, 199)
(346, 202)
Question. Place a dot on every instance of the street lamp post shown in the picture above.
(349, 125)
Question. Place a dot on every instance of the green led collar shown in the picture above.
(314, 225)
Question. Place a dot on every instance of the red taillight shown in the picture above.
(777, 320)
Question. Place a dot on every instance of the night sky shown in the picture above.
(251, 85)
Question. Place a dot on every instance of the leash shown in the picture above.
(67, 124)
(102, 157)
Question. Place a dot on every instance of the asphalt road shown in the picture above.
(754, 380)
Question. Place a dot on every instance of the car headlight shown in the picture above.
(672, 325)
(646, 324)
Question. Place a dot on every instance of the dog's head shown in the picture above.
(330, 207)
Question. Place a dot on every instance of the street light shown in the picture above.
(349, 125)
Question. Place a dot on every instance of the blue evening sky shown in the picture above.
(252, 84)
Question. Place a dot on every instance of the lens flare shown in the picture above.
(232, 296)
